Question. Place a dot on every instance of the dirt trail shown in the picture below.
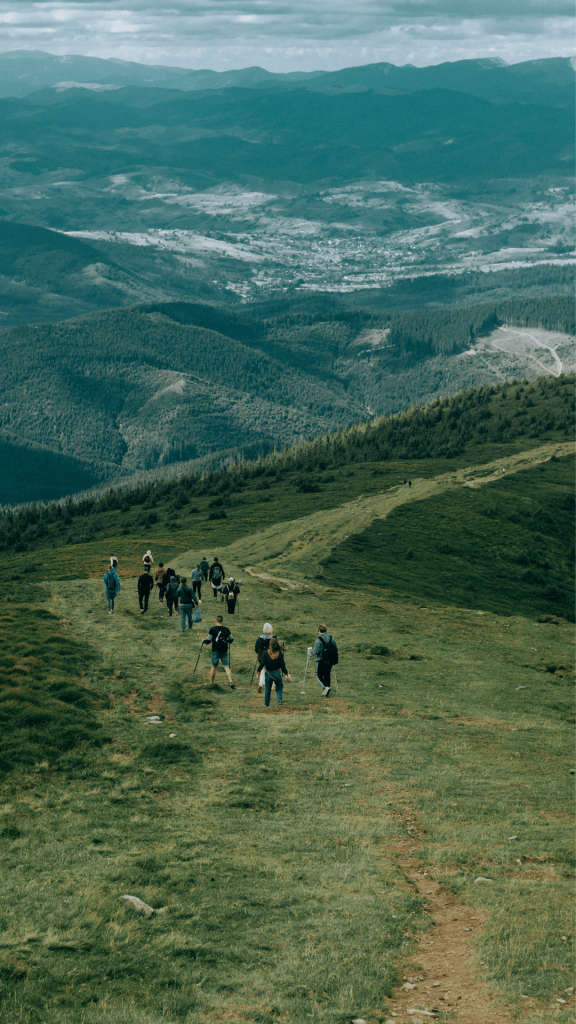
(443, 972)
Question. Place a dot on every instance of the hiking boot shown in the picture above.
(326, 692)
(142, 611)
(232, 686)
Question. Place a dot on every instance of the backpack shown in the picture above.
(110, 580)
(216, 573)
(329, 652)
(220, 643)
(174, 585)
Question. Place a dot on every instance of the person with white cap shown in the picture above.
(262, 644)
(231, 591)
(148, 560)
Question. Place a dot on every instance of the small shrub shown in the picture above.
(381, 651)
(11, 832)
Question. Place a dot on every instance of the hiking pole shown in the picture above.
(198, 659)
(303, 690)
(253, 671)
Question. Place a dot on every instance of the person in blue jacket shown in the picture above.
(112, 587)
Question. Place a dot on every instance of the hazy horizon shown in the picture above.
(290, 35)
(150, 63)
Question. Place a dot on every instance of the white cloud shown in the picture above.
(285, 36)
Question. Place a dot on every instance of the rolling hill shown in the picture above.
(125, 770)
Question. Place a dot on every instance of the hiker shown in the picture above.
(326, 651)
(204, 567)
(197, 577)
(216, 577)
(274, 667)
(187, 604)
(159, 581)
(112, 587)
(220, 637)
(145, 588)
(231, 592)
(113, 561)
(262, 644)
(409, 483)
(172, 591)
(147, 560)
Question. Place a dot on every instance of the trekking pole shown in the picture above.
(335, 681)
(303, 690)
(253, 671)
(198, 659)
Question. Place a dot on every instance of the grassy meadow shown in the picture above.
(278, 838)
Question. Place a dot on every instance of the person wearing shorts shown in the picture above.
(220, 637)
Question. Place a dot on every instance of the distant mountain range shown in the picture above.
(549, 81)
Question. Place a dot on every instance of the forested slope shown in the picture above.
(134, 389)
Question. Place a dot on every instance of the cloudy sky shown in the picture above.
(288, 35)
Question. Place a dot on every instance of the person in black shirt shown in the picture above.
(145, 588)
(272, 661)
(220, 637)
(204, 565)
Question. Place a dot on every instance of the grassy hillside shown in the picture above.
(135, 389)
(314, 855)
(507, 546)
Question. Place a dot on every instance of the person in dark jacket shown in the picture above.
(204, 566)
(262, 644)
(231, 591)
(272, 661)
(187, 602)
(172, 585)
(112, 587)
(216, 577)
(145, 588)
(323, 666)
(197, 577)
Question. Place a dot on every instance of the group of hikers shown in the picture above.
(270, 666)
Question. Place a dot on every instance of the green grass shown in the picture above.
(272, 837)
(507, 546)
(46, 715)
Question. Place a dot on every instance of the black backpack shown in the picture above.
(216, 573)
(110, 580)
(173, 584)
(329, 652)
(220, 643)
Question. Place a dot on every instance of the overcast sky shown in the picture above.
(289, 35)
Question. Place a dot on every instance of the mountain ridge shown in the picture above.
(23, 72)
